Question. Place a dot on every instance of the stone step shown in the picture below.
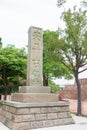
(35, 97)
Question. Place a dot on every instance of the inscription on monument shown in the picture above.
(35, 57)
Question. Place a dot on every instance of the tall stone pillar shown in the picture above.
(35, 57)
(35, 63)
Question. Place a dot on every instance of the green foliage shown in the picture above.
(60, 2)
(52, 66)
(84, 3)
(73, 51)
(54, 87)
(13, 63)
(0, 42)
(49, 37)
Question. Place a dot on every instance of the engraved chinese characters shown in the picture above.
(35, 57)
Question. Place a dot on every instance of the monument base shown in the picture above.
(34, 89)
(35, 97)
(25, 116)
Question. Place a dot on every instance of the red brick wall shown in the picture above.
(70, 91)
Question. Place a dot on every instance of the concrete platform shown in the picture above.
(80, 124)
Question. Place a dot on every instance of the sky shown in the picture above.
(16, 16)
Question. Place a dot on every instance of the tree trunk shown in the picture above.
(78, 94)
(6, 92)
(45, 81)
(5, 95)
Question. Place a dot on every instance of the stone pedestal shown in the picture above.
(26, 116)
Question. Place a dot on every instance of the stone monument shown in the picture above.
(34, 106)
(34, 65)
(35, 57)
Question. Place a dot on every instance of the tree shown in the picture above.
(52, 68)
(84, 3)
(54, 87)
(73, 49)
(13, 63)
(60, 3)
(0, 42)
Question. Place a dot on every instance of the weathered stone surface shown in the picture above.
(8, 123)
(35, 51)
(2, 118)
(22, 111)
(17, 118)
(20, 126)
(52, 116)
(34, 110)
(66, 121)
(7, 114)
(41, 116)
(34, 89)
(44, 109)
(36, 124)
(56, 122)
(48, 123)
(63, 106)
(9, 108)
(31, 116)
(28, 118)
(34, 97)
(63, 114)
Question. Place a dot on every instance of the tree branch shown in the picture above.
(83, 70)
(83, 64)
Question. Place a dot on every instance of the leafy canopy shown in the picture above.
(73, 48)
(52, 66)
(12, 67)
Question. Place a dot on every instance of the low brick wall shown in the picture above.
(73, 106)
